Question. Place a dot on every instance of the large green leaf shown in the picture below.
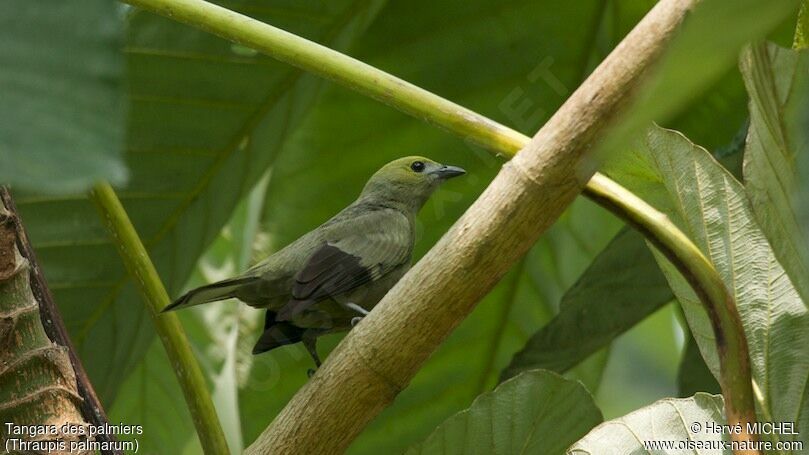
(536, 412)
(621, 287)
(668, 421)
(777, 80)
(710, 206)
(206, 120)
(62, 114)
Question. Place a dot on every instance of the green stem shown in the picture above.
(734, 361)
(478, 129)
(340, 68)
(802, 29)
(168, 326)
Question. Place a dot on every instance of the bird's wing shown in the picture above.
(370, 248)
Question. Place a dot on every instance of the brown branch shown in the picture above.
(378, 358)
(90, 407)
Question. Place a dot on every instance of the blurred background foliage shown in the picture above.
(231, 155)
(62, 74)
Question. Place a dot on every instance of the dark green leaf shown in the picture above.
(62, 110)
(535, 412)
(693, 375)
(621, 287)
(724, 100)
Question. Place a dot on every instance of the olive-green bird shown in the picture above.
(324, 281)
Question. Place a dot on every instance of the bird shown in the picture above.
(329, 278)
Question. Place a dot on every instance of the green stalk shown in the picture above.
(704, 279)
(168, 327)
(340, 68)
(475, 128)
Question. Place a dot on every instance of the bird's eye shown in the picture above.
(417, 166)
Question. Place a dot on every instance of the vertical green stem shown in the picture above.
(167, 325)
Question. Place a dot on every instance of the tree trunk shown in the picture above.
(42, 383)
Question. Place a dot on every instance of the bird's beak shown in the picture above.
(447, 172)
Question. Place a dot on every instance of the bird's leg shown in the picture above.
(310, 342)
(358, 309)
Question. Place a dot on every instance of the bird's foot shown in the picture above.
(356, 320)
(310, 372)
(357, 308)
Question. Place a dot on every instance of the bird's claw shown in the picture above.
(310, 372)
(356, 320)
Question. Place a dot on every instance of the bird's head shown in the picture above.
(410, 180)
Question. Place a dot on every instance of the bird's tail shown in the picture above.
(220, 290)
